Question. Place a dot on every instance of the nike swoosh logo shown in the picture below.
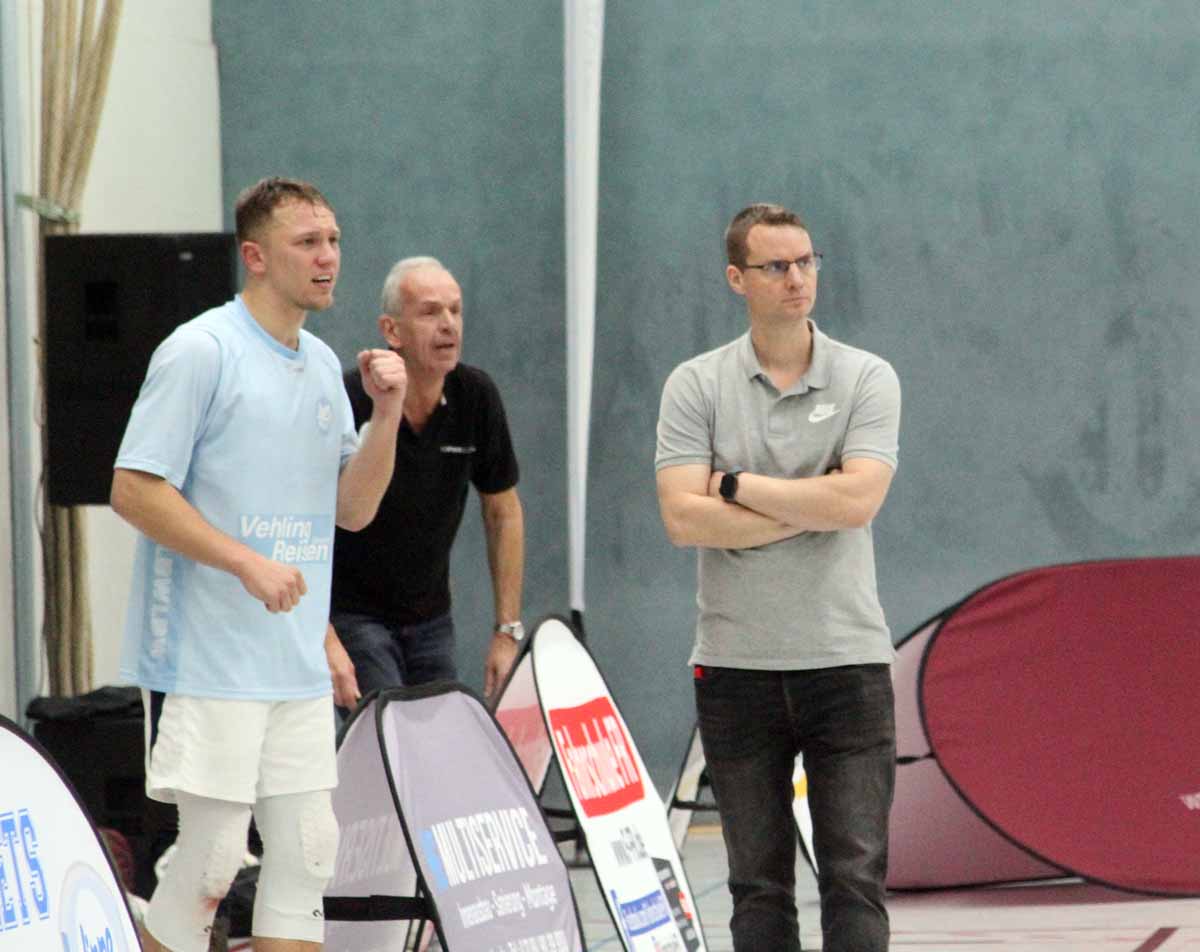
(822, 413)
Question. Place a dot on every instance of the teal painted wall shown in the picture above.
(1006, 195)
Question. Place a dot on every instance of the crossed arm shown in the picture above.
(768, 508)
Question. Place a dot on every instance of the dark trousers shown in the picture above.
(752, 725)
(386, 655)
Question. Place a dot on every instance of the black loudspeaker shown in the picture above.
(110, 300)
(97, 741)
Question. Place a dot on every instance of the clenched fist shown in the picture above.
(384, 378)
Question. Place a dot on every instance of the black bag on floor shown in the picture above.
(237, 908)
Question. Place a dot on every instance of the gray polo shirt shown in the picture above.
(809, 601)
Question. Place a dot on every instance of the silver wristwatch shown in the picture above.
(514, 629)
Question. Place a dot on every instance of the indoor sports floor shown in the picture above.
(1065, 916)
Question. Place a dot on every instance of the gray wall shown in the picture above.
(1006, 195)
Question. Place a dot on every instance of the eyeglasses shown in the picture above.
(778, 268)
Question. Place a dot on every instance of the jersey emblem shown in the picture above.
(324, 415)
(822, 411)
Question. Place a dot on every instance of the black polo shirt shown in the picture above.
(398, 567)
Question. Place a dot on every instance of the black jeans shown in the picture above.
(752, 725)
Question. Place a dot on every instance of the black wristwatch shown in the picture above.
(729, 486)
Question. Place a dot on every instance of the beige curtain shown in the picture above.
(77, 48)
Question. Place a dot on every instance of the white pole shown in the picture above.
(583, 22)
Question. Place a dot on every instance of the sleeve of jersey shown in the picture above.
(360, 403)
(684, 427)
(350, 438)
(873, 430)
(496, 466)
(172, 407)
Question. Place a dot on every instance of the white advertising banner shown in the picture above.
(629, 841)
(683, 800)
(58, 890)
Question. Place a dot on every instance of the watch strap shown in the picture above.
(514, 629)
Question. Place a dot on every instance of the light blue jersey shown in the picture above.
(253, 435)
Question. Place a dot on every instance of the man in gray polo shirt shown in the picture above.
(774, 454)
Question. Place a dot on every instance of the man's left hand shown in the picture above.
(341, 671)
(501, 654)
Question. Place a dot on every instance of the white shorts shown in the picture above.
(237, 750)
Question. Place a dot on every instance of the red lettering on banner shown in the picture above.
(596, 756)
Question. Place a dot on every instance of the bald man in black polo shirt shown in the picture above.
(390, 614)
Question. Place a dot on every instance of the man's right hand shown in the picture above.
(278, 586)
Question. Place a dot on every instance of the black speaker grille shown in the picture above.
(110, 300)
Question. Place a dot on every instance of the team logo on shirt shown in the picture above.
(324, 415)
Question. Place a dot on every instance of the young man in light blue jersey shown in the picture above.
(775, 452)
(239, 459)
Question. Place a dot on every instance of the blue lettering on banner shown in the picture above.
(91, 914)
(434, 859)
(11, 890)
(37, 879)
(102, 944)
(483, 844)
(645, 914)
(21, 878)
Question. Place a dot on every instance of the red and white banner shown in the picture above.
(1044, 728)
(520, 715)
(623, 821)
(597, 756)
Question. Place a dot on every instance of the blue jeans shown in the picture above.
(386, 655)
(752, 725)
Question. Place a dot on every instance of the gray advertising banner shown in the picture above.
(473, 839)
(373, 857)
